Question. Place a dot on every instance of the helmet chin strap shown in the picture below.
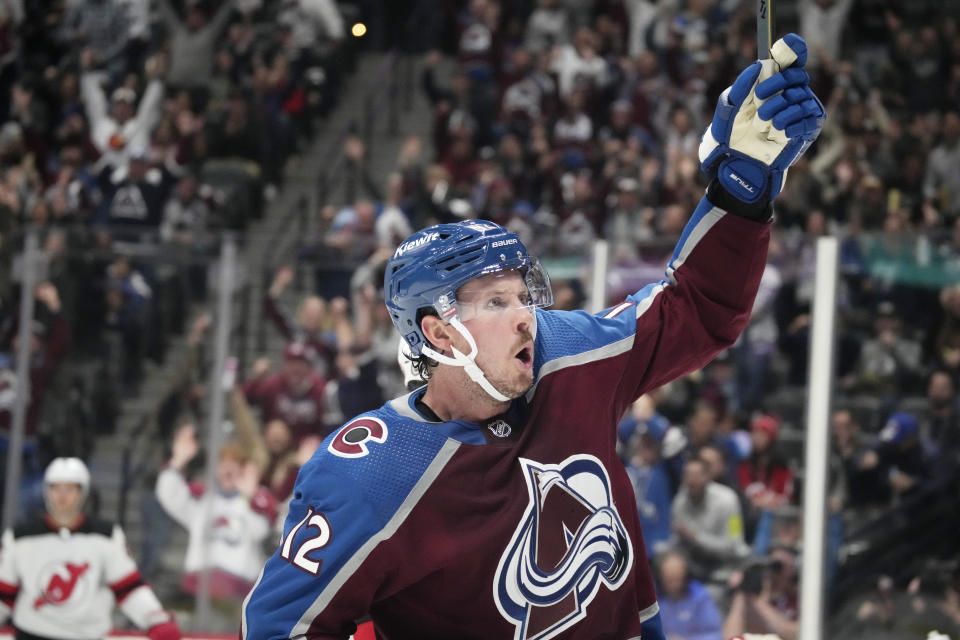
(468, 363)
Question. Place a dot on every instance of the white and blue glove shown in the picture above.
(763, 124)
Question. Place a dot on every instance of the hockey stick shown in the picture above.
(765, 29)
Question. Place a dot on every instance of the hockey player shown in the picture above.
(491, 503)
(61, 574)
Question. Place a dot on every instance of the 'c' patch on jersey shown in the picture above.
(570, 540)
(351, 441)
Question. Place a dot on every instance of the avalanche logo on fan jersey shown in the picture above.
(569, 541)
(226, 529)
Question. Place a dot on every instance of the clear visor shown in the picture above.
(526, 287)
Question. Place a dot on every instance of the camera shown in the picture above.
(753, 576)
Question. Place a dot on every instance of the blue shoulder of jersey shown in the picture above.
(377, 457)
(354, 493)
(571, 334)
(565, 334)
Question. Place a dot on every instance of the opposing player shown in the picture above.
(61, 574)
(491, 503)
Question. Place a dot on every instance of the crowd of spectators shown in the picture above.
(567, 121)
(131, 132)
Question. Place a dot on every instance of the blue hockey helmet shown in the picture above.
(428, 267)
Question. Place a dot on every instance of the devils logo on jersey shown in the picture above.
(569, 541)
(61, 584)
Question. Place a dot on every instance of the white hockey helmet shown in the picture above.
(69, 470)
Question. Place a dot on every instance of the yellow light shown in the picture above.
(358, 30)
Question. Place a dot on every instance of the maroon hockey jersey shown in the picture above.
(523, 527)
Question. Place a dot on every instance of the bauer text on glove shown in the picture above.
(763, 123)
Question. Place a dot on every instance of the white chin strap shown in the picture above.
(468, 363)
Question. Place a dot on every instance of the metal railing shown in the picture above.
(295, 225)
(919, 526)
(132, 470)
(144, 437)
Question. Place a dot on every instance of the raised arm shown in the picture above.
(219, 20)
(248, 430)
(167, 14)
(172, 489)
(95, 103)
(271, 307)
(763, 123)
(328, 14)
(148, 113)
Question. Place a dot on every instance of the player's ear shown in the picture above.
(437, 332)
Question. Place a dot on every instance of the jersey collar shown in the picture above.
(411, 406)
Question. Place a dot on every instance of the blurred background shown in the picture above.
(138, 138)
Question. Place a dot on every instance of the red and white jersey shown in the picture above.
(63, 583)
(238, 526)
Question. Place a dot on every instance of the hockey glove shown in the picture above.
(763, 123)
(164, 631)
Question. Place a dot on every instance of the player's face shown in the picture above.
(64, 499)
(496, 311)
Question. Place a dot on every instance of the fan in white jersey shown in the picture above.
(62, 573)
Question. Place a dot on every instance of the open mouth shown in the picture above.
(525, 355)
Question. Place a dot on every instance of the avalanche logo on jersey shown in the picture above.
(351, 441)
(569, 541)
(226, 529)
(58, 581)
